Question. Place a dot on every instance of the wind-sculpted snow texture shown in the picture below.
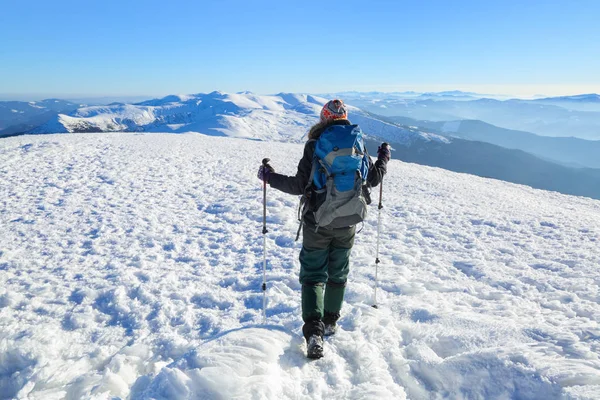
(131, 266)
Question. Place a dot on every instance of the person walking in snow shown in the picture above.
(333, 201)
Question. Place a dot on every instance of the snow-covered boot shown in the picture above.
(314, 347)
(313, 333)
(330, 323)
(330, 329)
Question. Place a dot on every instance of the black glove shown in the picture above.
(383, 152)
(264, 172)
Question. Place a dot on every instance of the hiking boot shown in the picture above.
(330, 329)
(330, 323)
(314, 347)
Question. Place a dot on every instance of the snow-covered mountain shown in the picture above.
(283, 117)
(287, 117)
(20, 116)
(131, 267)
(559, 118)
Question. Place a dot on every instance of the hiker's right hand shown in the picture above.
(264, 172)
(383, 152)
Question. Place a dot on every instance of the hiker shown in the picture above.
(327, 237)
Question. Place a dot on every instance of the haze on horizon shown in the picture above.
(506, 91)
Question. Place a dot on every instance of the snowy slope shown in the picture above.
(282, 117)
(130, 267)
(20, 112)
(19, 116)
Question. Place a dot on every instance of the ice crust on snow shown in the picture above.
(131, 266)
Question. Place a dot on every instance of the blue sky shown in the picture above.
(153, 47)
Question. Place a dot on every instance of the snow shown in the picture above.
(131, 265)
(284, 117)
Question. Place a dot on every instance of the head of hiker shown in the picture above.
(334, 160)
(334, 109)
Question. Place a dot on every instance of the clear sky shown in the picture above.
(129, 47)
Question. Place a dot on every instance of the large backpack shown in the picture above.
(339, 172)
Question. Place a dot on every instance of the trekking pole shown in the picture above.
(265, 161)
(379, 207)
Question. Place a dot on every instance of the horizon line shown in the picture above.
(32, 97)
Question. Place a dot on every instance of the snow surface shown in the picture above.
(131, 266)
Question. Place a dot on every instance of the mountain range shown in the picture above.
(569, 151)
(577, 116)
(19, 116)
(518, 157)
(282, 117)
(582, 102)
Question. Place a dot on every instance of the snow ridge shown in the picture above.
(282, 117)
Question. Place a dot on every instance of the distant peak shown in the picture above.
(578, 97)
(217, 93)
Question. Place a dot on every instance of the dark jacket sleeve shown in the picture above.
(376, 172)
(295, 184)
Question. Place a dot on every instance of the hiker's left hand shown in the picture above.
(383, 152)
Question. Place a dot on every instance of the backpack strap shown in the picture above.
(302, 207)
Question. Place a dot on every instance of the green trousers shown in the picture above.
(324, 267)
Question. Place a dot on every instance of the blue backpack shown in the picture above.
(339, 172)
